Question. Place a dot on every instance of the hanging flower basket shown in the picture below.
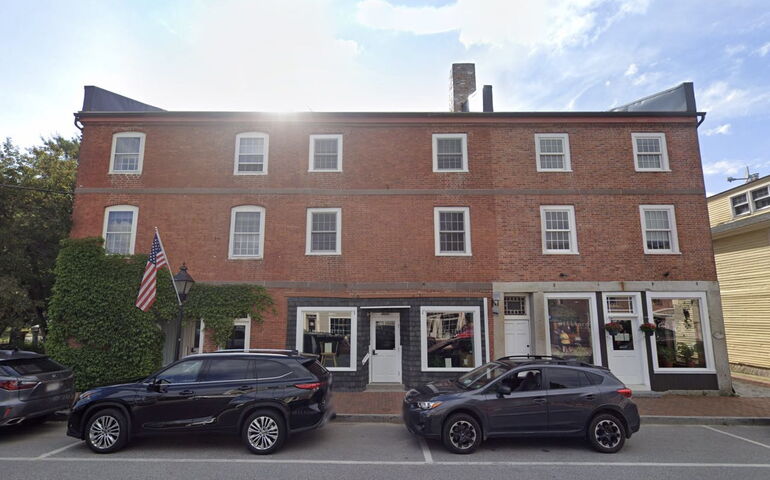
(648, 328)
(613, 328)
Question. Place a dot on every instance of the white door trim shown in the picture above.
(372, 343)
(641, 336)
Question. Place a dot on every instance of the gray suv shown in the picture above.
(524, 396)
(32, 387)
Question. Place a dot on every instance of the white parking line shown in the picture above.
(426, 450)
(736, 436)
(59, 450)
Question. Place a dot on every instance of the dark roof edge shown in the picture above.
(753, 221)
(766, 177)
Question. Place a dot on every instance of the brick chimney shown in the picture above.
(462, 83)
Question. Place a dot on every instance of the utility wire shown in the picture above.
(20, 187)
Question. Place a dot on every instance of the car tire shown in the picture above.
(606, 433)
(461, 434)
(106, 431)
(264, 432)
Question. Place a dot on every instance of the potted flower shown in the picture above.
(613, 328)
(648, 328)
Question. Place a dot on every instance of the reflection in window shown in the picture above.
(450, 339)
(569, 326)
(679, 332)
(327, 334)
(184, 372)
(237, 340)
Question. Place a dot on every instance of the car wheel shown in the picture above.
(264, 432)
(606, 433)
(462, 434)
(106, 431)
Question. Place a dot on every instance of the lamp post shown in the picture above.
(183, 282)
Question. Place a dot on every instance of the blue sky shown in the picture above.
(335, 55)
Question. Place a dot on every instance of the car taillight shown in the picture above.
(626, 392)
(308, 386)
(17, 385)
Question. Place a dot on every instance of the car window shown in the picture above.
(268, 369)
(183, 372)
(525, 381)
(221, 369)
(479, 377)
(593, 378)
(31, 366)
(559, 378)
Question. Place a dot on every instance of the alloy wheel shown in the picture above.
(462, 435)
(104, 432)
(263, 433)
(607, 433)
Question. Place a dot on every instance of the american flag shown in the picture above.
(157, 260)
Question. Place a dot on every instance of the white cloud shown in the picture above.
(632, 69)
(763, 50)
(734, 49)
(724, 167)
(720, 130)
(722, 100)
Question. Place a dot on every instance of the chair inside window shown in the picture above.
(329, 353)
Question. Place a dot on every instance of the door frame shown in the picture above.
(637, 298)
(594, 320)
(399, 349)
(519, 318)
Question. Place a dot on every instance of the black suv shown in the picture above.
(524, 396)
(263, 395)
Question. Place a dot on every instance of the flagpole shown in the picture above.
(168, 264)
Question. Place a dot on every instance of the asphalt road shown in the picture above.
(383, 451)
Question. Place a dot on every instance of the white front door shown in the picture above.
(517, 339)
(626, 352)
(385, 355)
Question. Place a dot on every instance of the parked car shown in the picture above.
(262, 395)
(524, 396)
(32, 387)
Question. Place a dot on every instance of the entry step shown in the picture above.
(385, 387)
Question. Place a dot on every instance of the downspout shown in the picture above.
(486, 329)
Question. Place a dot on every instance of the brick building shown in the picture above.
(406, 247)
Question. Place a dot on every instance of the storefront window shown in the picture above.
(328, 335)
(569, 327)
(449, 339)
(679, 332)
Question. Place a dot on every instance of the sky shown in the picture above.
(393, 55)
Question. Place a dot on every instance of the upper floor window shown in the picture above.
(659, 229)
(127, 152)
(247, 226)
(324, 226)
(740, 204)
(650, 153)
(552, 151)
(120, 229)
(325, 153)
(452, 231)
(761, 197)
(558, 229)
(750, 201)
(251, 153)
(450, 152)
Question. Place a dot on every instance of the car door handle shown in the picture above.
(539, 401)
(245, 388)
(589, 396)
(186, 393)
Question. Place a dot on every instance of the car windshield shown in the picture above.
(482, 376)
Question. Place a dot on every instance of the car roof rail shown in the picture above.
(535, 357)
(259, 350)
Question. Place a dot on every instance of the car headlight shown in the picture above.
(428, 405)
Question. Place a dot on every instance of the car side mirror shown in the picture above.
(503, 389)
(156, 384)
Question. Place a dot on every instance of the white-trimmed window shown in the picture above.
(450, 152)
(251, 152)
(650, 153)
(659, 229)
(559, 232)
(120, 229)
(750, 201)
(325, 153)
(330, 333)
(552, 151)
(452, 231)
(516, 306)
(445, 349)
(740, 204)
(682, 342)
(247, 227)
(324, 229)
(572, 326)
(760, 198)
(127, 153)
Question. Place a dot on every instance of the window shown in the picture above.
(561, 378)
(571, 326)
(450, 152)
(552, 151)
(325, 153)
(271, 370)
(450, 338)
(324, 226)
(482, 376)
(183, 372)
(524, 381)
(452, 231)
(333, 338)
(761, 197)
(682, 337)
(247, 224)
(120, 229)
(515, 306)
(740, 204)
(620, 304)
(240, 338)
(251, 153)
(659, 229)
(650, 154)
(623, 310)
(127, 152)
(558, 229)
(750, 201)
(221, 369)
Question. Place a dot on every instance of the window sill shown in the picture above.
(124, 172)
(666, 252)
(246, 258)
(451, 171)
(706, 371)
(652, 169)
(325, 171)
(547, 252)
(250, 173)
(454, 254)
(321, 254)
(554, 170)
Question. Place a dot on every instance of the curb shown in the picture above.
(646, 419)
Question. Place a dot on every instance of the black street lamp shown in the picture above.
(183, 282)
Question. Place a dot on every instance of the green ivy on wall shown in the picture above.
(95, 328)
